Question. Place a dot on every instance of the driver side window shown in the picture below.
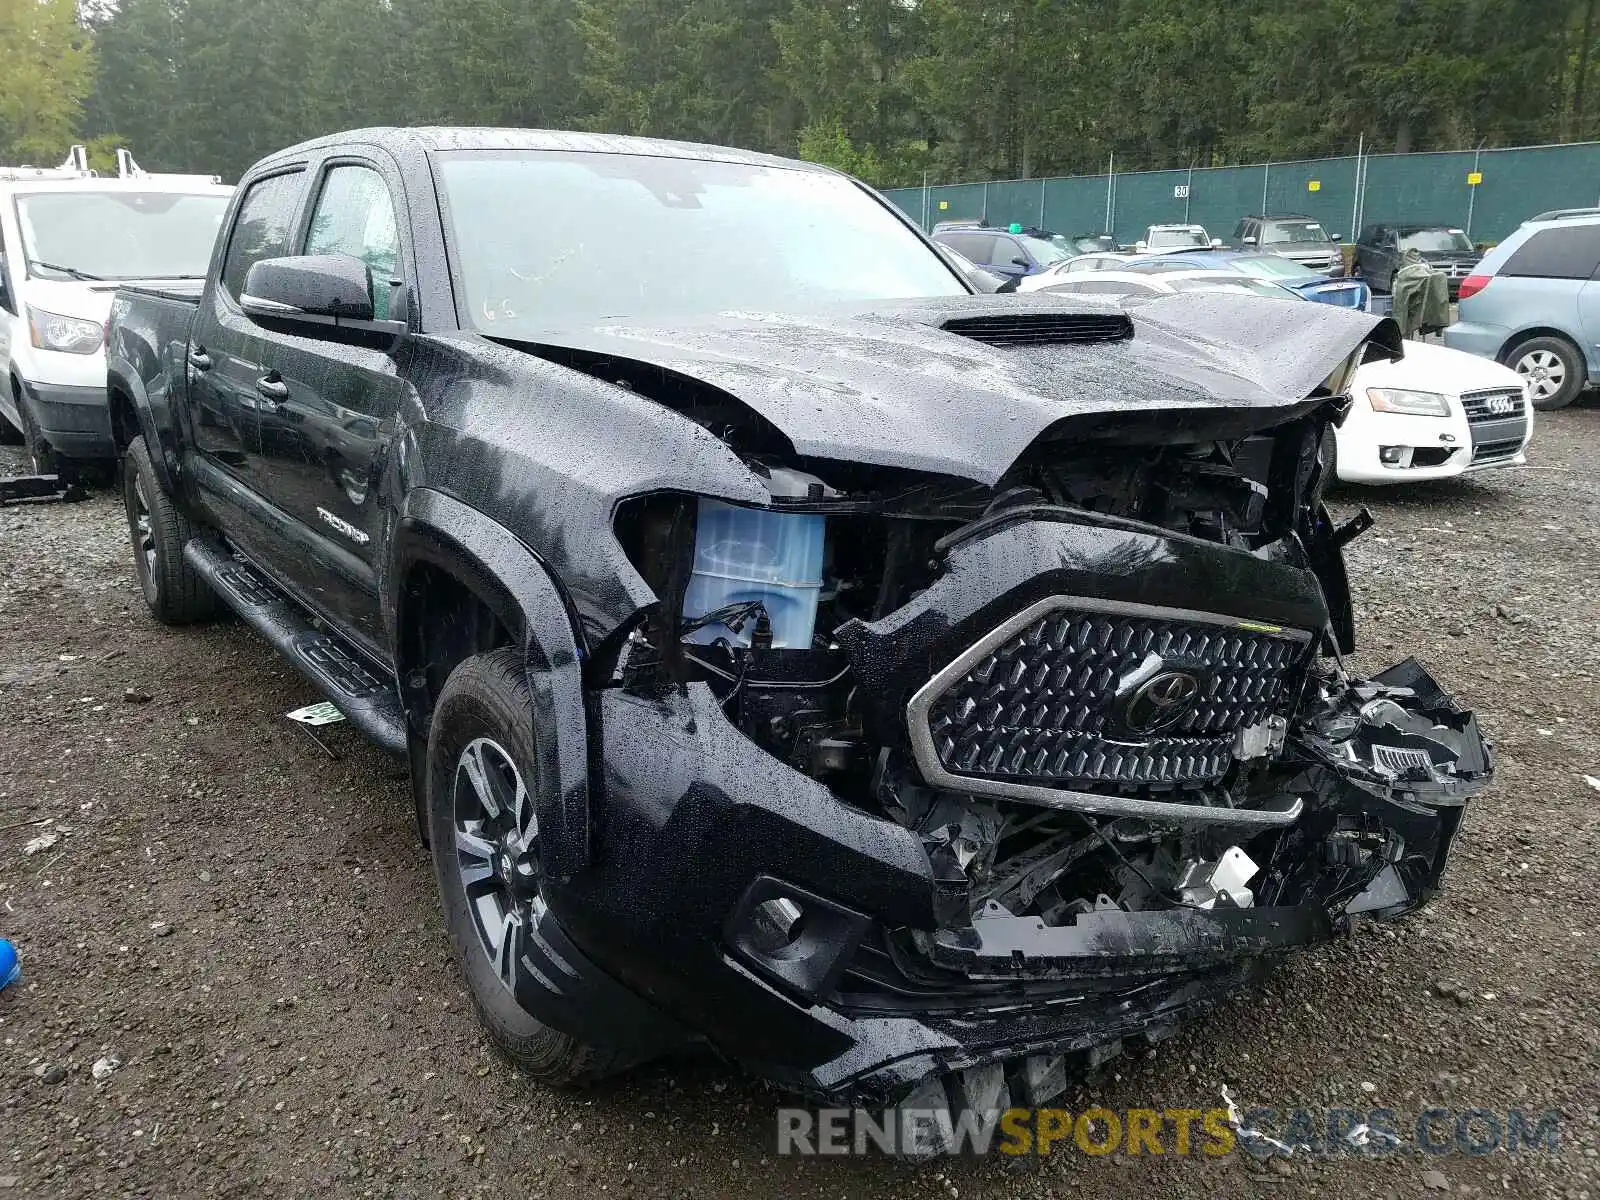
(355, 216)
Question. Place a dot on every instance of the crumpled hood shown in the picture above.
(887, 385)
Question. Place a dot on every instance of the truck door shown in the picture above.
(325, 437)
(225, 361)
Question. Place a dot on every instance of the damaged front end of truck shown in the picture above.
(931, 786)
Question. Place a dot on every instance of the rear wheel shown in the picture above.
(1553, 369)
(486, 855)
(175, 591)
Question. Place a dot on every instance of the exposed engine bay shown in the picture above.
(1108, 687)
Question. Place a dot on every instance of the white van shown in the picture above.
(68, 240)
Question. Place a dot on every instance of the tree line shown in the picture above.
(888, 89)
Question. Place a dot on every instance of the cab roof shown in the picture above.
(437, 138)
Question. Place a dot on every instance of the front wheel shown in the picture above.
(43, 456)
(485, 842)
(1553, 369)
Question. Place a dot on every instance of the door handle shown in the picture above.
(199, 359)
(272, 386)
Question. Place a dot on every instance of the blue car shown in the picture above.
(1011, 251)
(1345, 293)
(1533, 303)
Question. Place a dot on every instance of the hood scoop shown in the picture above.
(1042, 328)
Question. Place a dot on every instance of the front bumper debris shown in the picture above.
(1042, 860)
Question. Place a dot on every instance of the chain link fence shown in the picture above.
(1485, 192)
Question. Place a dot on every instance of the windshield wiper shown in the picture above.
(71, 271)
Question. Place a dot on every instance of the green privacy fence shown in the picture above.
(1486, 192)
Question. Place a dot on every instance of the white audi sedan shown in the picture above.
(1435, 414)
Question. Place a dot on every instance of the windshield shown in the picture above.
(1270, 266)
(1437, 241)
(1161, 239)
(1294, 232)
(119, 235)
(545, 239)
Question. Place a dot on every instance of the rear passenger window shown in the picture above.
(1565, 252)
(261, 230)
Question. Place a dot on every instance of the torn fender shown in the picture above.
(892, 386)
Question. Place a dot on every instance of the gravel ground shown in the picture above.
(249, 924)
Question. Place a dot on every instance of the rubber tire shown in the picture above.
(176, 593)
(1577, 373)
(1329, 453)
(10, 435)
(488, 696)
(45, 460)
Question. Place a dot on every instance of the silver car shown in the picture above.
(1533, 303)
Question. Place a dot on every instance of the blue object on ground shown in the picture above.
(10, 968)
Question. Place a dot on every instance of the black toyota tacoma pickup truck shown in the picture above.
(911, 694)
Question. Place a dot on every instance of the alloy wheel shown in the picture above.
(144, 537)
(496, 845)
(1544, 371)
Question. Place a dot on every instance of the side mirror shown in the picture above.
(1335, 237)
(1020, 262)
(1216, 243)
(1141, 246)
(314, 289)
(1247, 240)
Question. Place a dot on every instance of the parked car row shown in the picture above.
(1379, 251)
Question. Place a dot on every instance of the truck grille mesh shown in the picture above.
(1043, 707)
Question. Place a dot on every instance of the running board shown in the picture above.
(345, 677)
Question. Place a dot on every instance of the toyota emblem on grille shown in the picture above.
(1502, 406)
(1160, 701)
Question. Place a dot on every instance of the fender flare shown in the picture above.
(159, 437)
(486, 557)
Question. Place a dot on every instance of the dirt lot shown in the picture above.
(249, 924)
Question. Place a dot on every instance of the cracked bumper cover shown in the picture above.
(698, 815)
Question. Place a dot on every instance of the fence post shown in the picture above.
(1111, 183)
(1355, 189)
(1042, 224)
(924, 202)
(1266, 174)
(1188, 193)
(1472, 191)
(985, 201)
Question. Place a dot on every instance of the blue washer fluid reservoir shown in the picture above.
(743, 554)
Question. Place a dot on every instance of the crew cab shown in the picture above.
(817, 660)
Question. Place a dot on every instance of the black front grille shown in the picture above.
(1492, 451)
(1054, 703)
(1495, 404)
(1035, 329)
